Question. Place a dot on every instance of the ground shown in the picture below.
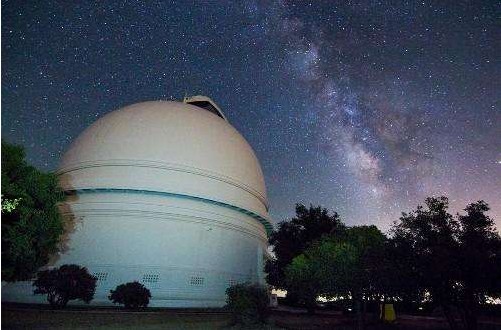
(38, 318)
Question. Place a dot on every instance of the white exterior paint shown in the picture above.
(167, 194)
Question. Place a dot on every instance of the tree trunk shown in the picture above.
(449, 316)
(364, 310)
(358, 311)
(462, 314)
(383, 310)
(61, 301)
(472, 321)
(310, 309)
(51, 299)
(470, 317)
(311, 303)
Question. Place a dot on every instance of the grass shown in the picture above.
(39, 318)
(108, 320)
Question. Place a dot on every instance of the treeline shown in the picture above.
(428, 254)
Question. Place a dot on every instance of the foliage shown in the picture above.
(428, 236)
(294, 236)
(9, 205)
(480, 254)
(479, 262)
(303, 278)
(247, 303)
(31, 230)
(68, 282)
(457, 260)
(132, 295)
(342, 264)
(354, 258)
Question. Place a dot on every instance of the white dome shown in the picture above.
(170, 147)
(165, 193)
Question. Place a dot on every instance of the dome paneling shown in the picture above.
(169, 147)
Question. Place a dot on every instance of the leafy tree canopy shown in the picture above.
(456, 259)
(304, 278)
(32, 227)
(480, 257)
(294, 236)
(9, 205)
(353, 260)
(343, 264)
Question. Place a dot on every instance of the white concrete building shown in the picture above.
(168, 194)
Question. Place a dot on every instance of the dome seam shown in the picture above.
(165, 166)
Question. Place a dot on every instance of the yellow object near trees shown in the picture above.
(388, 314)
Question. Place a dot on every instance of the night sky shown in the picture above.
(364, 108)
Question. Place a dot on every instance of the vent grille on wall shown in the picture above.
(197, 281)
(101, 276)
(150, 278)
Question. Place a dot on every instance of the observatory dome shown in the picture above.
(168, 194)
(170, 147)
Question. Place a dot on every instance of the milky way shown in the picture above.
(364, 108)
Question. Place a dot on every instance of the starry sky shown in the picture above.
(362, 107)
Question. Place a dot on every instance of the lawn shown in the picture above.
(109, 320)
(39, 318)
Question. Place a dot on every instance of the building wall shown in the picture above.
(187, 252)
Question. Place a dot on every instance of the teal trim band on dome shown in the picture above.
(266, 224)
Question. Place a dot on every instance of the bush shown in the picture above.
(248, 303)
(68, 282)
(132, 295)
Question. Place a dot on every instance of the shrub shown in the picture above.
(248, 303)
(68, 282)
(132, 295)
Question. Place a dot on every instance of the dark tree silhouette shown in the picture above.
(131, 295)
(428, 235)
(294, 236)
(456, 260)
(479, 261)
(68, 282)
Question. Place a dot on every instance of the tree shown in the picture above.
(479, 262)
(132, 295)
(68, 282)
(32, 227)
(397, 284)
(303, 278)
(294, 236)
(343, 264)
(456, 260)
(428, 235)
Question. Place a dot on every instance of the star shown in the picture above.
(364, 109)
